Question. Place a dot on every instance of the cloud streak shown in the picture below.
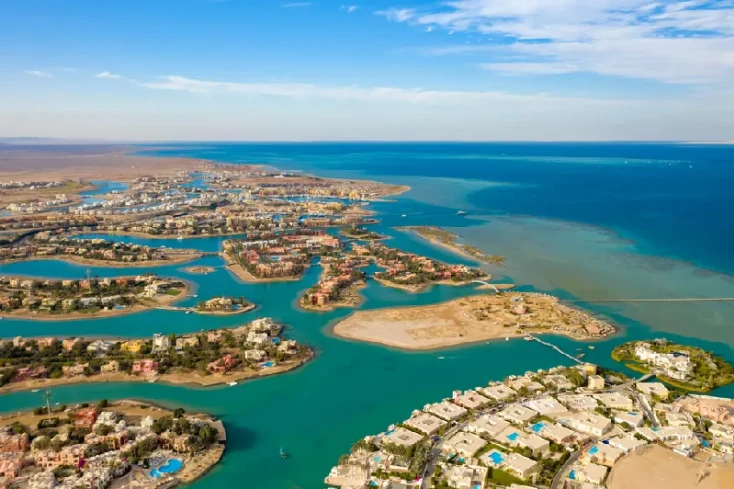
(689, 42)
(39, 73)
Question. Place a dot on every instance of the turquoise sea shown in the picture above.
(580, 221)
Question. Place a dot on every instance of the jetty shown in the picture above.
(551, 345)
(670, 299)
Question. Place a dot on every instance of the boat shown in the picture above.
(282, 453)
(461, 213)
(180, 238)
(232, 384)
(591, 347)
(404, 215)
(507, 338)
(440, 358)
(35, 390)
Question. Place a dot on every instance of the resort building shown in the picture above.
(676, 365)
(634, 419)
(402, 437)
(626, 442)
(132, 346)
(488, 424)
(526, 382)
(466, 444)
(556, 433)
(498, 392)
(669, 434)
(145, 367)
(520, 466)
(656, 389)
(518, 414)
(679, 419)
(589, 423)
(558, 381)
(466, 476)
(615, 400)
(111, 367)
(10, 442)
(591, 473)
(546, 406)
(426, 423)
(446, 410)
(579, 402)
(516, 438)
(602, 454)
(722, 432)
(161, 344)
(471, 400)
(595, 382)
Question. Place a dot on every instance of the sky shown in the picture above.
(251, 70)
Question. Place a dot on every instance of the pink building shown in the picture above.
(224, 364)
(145, 367)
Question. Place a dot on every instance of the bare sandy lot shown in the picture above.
(88, 162)
(466, 320)
(655, 467)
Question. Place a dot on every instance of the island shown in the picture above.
(571, 427)
(107, 444)
(94, 252)
(221, 356)
(338, 286)
(471, 319)
(29, 298)
(361, 233)
(441, 237)
(683, 366)
(200, 270)
(412, 272)
(224, 306)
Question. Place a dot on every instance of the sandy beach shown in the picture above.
(655, 467)
(173, 260)
(417, 288)
(461, 321)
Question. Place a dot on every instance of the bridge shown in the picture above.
(497, 291)
(670, 299)
(551, 345)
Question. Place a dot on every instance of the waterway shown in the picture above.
(353, 389)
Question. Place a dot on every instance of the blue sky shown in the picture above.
(382, 69)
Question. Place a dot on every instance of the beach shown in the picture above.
(462, 321)
(174, 259)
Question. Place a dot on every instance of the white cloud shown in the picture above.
(38, 73)
(348, 8)
(674, 42)
(107, 74)
(356, 93)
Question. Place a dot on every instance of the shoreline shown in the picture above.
(183, 258)
(415, 289)
(240, 272)
(102, 314)
(248, 308)
(176, 379)
(457, 323)
(452, 247)
(332, 306)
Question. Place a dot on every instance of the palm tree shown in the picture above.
(47, 396)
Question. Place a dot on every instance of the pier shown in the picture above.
(671, 299)
(551, 345)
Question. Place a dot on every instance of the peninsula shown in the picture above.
(338, 286)
(96, 446)
(471, 319)
(206, 359)
(441, 237)
(29, 298)
(572, 427)
(686, 367)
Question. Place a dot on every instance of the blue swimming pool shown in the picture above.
(537, 427)
(593, 450)
(173, 465)
(572, 475)
(267, 364)
(496, 458)
(513, 436)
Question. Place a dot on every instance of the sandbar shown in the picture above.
(468, 320)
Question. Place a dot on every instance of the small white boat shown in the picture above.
(188, 312)
(35, 390)
(461, 213)
(232, 384)
(507, 338)
(404, 215)
(591, 347)
(180, 238)
(440, 358)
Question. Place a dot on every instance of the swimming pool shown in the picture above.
(496, 458)
(513, 436)
(267, 364)
(572, 475)
(537, 427)
(593, 450)
(173, 465)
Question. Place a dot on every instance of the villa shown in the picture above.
(426, 423)
(602, 454)
(498, 392)
(145, 367)
(470, 400)
(656, 389)
(579, 402)
(446, 410)
(546, 406)
(615, 400)
(558, 381)
(626, 442)
(633, 418)
(488, 424)
(556, 433)
(523, 467)
(590, 423)
(518, 414)
(516, 438)
(465, 444)
(402, 437)
(591, 473)
(466, 477)
(677, 365)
